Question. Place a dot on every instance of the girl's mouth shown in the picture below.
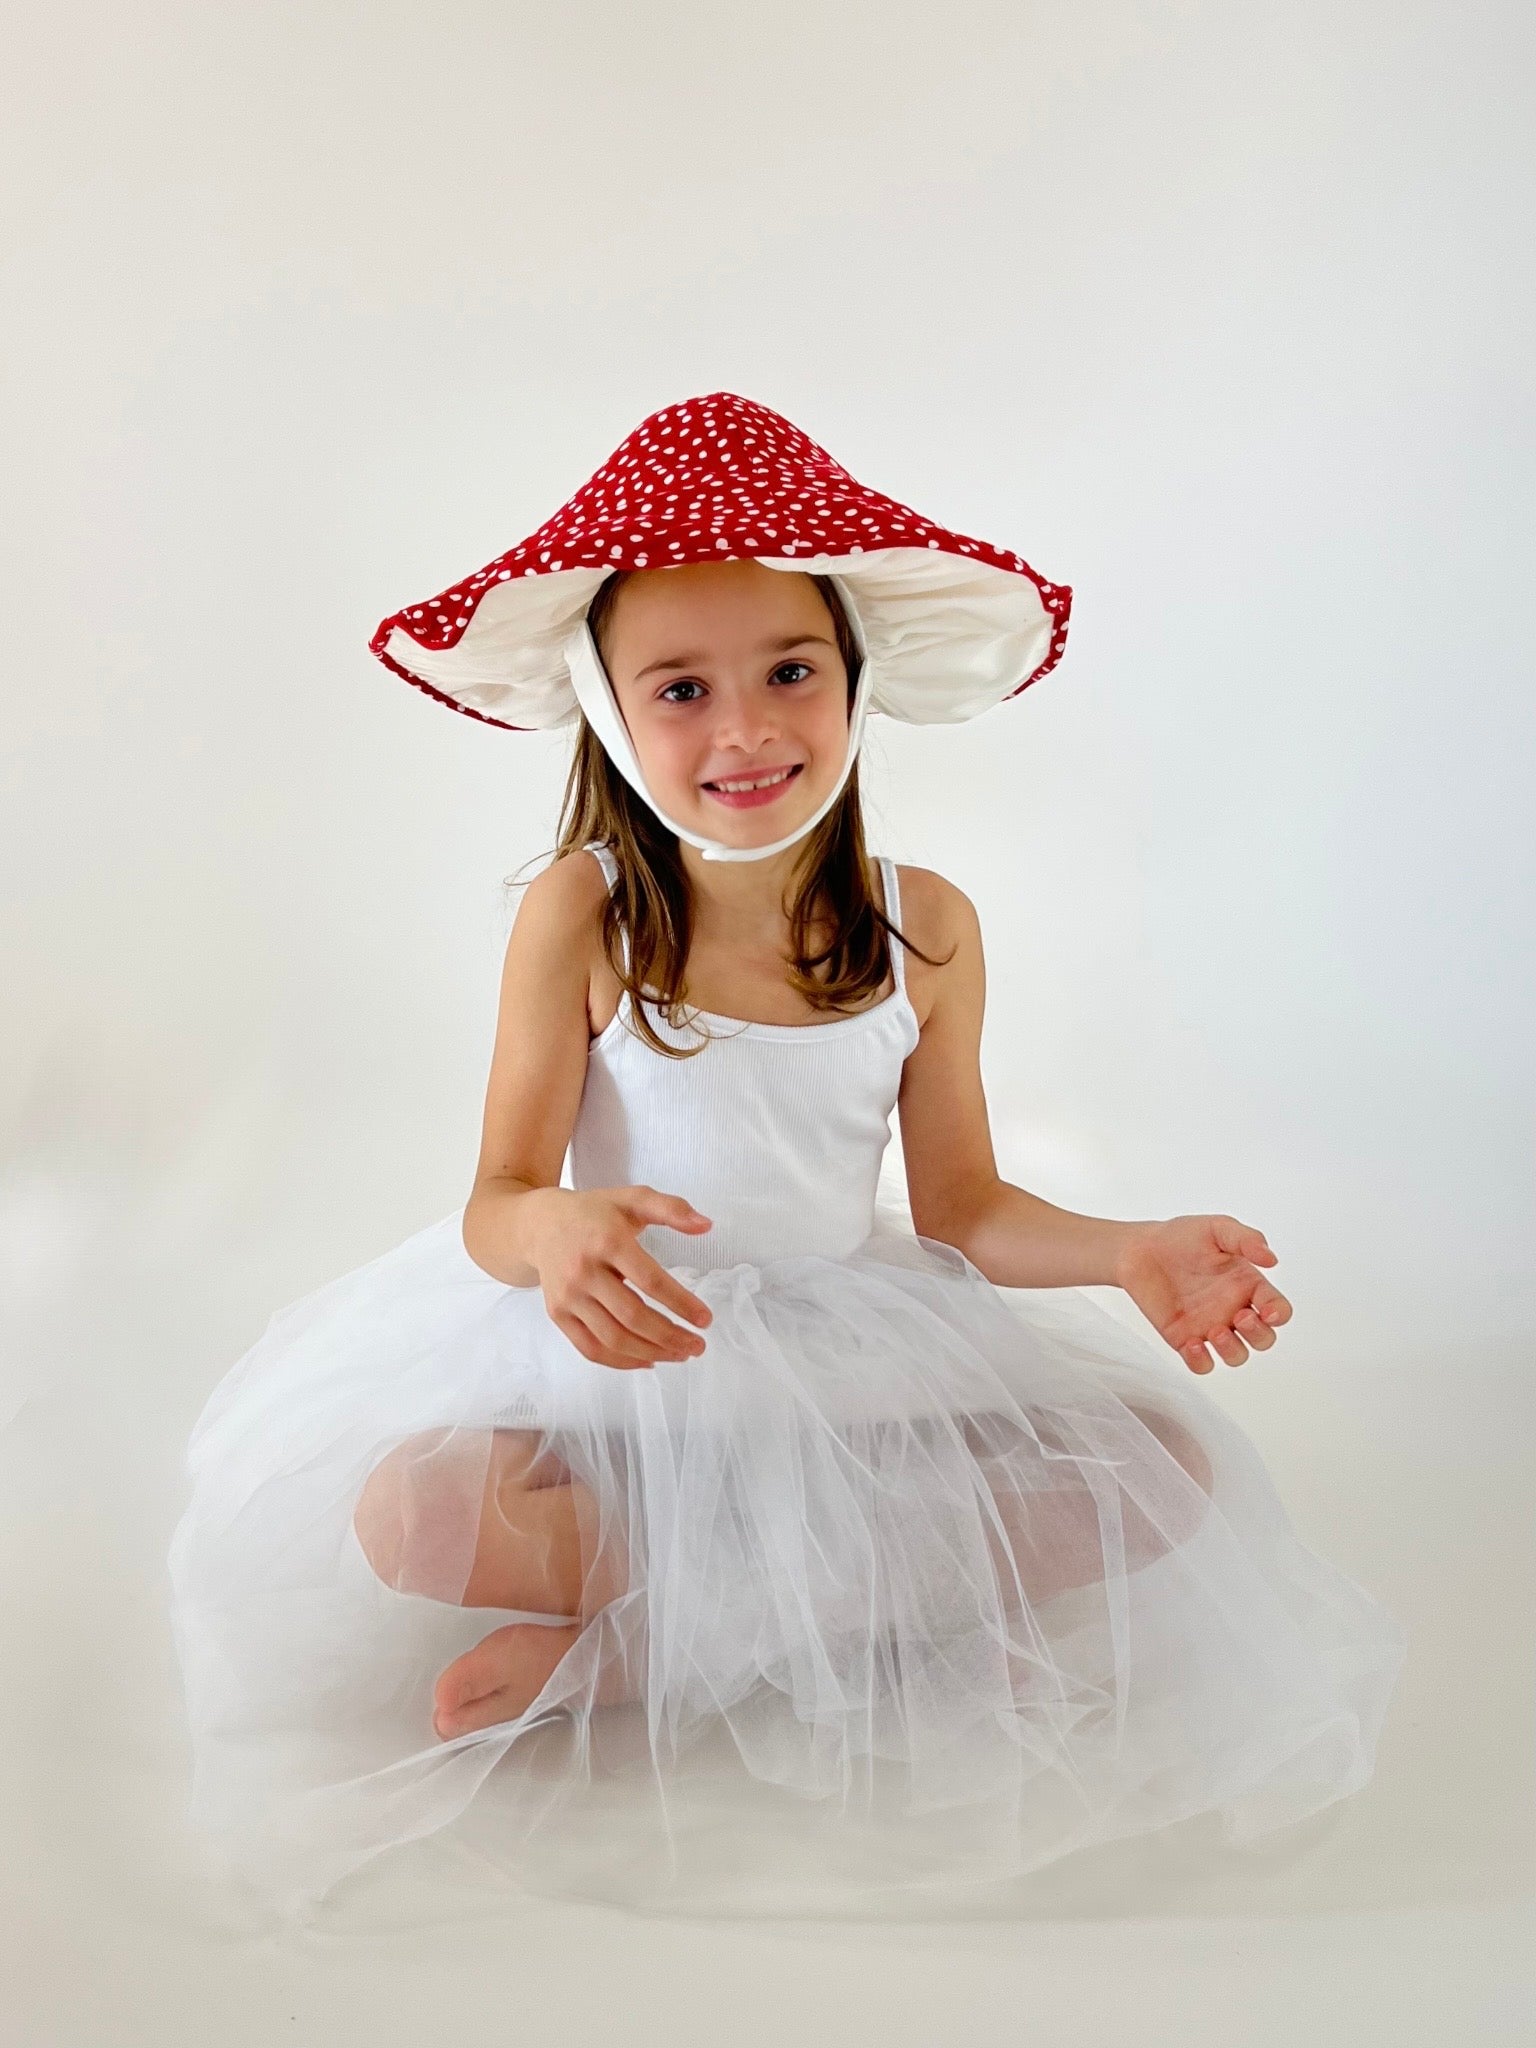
(748, 792)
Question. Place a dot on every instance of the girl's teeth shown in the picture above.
(762, 782)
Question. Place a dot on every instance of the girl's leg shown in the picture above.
(538, 1546)
(494, 1523)
(1051, 1541)
(488, 1518)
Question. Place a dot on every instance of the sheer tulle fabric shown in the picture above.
(906, 1582)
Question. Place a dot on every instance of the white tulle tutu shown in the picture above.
(925, 1583)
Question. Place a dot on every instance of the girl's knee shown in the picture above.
(420, 1499)
(1181, 1444)
(1160, 1517)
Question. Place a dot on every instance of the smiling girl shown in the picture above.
(774, 1544)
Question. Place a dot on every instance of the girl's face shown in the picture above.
(728, 673)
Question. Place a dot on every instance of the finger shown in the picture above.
(658, 1334)
(626, 1348)
(650, 1205)
(1197, 1358)
(1243, 1241)
(1252, 1331)
(584, 1337)
(1228, 1346)
(652, 1278)
(1270, 1304)
(611, 1322)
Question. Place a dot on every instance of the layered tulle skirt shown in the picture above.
(907, 1584)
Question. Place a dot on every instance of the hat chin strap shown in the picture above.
(594, 693)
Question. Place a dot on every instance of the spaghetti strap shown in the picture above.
(893, 912)
(607, 860)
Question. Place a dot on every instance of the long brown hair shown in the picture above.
(652, 902)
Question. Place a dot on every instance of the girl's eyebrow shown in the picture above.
(769, 647)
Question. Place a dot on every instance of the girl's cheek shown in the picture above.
(667, 769)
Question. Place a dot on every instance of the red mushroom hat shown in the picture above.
(949, 626)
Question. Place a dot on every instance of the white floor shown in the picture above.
(1406, 1916)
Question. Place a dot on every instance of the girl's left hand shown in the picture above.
(1194, 1280)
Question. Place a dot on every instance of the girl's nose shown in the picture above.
(749, 725)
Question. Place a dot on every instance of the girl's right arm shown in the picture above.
(519, 1224)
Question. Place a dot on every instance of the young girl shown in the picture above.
(701, 1530)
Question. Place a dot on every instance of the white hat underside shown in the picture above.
(948, 637)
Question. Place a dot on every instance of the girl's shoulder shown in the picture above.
(573, 890)
(570, 892)
(933, 910)
(563, 904)
(939, 921)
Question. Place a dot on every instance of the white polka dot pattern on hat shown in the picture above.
(716, 478)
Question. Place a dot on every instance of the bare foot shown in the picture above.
(502, 1676)
(499, 1678)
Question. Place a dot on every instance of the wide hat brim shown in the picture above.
(950, 625)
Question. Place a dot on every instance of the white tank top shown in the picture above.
(774, 1131)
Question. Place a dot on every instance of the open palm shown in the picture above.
(1196, 1280)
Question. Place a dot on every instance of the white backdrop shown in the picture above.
(1219, 313)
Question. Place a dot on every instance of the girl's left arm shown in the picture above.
(1195, 1278)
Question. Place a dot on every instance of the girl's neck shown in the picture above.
(739, 896)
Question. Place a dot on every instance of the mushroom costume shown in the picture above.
(891, 1578)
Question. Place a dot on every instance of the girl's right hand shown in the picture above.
(585, 1249)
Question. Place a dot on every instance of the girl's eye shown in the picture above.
(687, 683)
